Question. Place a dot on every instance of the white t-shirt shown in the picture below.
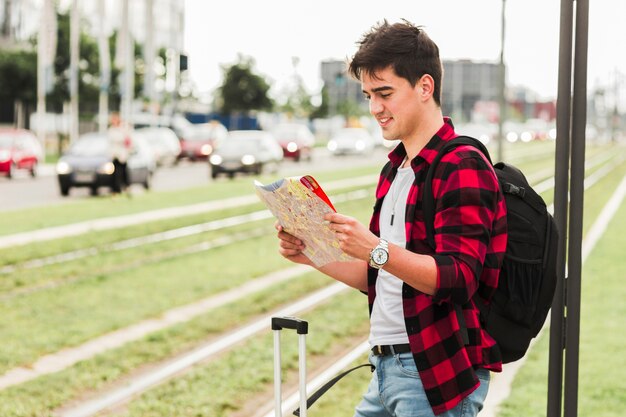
(120, 143)
(387, 320)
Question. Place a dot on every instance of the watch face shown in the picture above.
(380, 256)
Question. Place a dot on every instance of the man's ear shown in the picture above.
(425, 86)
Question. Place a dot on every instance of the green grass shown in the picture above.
(103, 302)
(225, 385)
(99, 300)
(40, 396)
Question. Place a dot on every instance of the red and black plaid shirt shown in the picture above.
(470, 237)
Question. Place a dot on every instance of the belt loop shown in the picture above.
(392, 350)
(379, 350)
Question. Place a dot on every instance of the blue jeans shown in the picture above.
(396, 391)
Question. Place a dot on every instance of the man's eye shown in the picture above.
(367, 97)
(385, 95)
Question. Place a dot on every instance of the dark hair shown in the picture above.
(404, 47)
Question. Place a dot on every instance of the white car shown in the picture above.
(351, 140)
(163, 142)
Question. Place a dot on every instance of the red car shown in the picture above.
(297, 140)
(19, 149)
(198, 141)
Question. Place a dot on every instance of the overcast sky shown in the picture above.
(274, 31)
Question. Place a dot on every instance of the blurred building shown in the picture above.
(17, 22)
(466, 83)
(340, 86)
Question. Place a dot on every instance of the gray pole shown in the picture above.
(149, 54)
(561, 190)
(41, 75)
(574, 254)
(105, 70)
(502, 85)
(128, 68)
(74, 58)
(6, 31)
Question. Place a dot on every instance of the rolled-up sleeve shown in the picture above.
(466, 193)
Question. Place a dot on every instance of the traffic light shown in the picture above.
(183, 64)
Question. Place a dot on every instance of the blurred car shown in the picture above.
(297, 140)
(163, 142)
(247, 151)
(197, 141)
(380, 141)
(351, 140)
(487, 133)
(19, 150)
(89, 163)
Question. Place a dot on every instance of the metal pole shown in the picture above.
(127, 55)
(74, 58)
(278, 402)
(561, 189)
(302, 376)
(41, 75)
(574, 254)
(149, 54)
(105, 69)
(502, 86)
(6, 31)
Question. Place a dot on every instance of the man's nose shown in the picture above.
(375, 106)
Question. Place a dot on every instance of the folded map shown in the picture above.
(299, 204)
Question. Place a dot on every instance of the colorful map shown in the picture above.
(299, 204)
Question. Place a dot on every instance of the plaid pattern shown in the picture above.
(470, 237)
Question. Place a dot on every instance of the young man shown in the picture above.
(423, 366)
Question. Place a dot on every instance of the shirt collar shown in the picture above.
(428, 152)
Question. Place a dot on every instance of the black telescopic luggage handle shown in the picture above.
(299, 325)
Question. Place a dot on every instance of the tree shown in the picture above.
(321, 111)
(242, 90)
(88, 66)
(18, 76)
(18, 80)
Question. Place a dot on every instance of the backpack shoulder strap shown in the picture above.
(428, 206)
(428, 200)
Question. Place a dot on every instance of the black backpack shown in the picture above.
(528, 275)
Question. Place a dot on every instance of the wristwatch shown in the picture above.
(379, 255)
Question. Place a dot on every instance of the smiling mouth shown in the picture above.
(384, 121)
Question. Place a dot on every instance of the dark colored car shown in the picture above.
(19, 150)
(247, 151)
(88, 163)
(197, 141)
(297, 140)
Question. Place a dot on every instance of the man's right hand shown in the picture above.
(290, 247)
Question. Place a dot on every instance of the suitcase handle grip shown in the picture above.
(301, 326)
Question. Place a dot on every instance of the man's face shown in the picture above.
(393, 102)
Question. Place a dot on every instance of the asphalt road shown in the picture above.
(24, 191)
